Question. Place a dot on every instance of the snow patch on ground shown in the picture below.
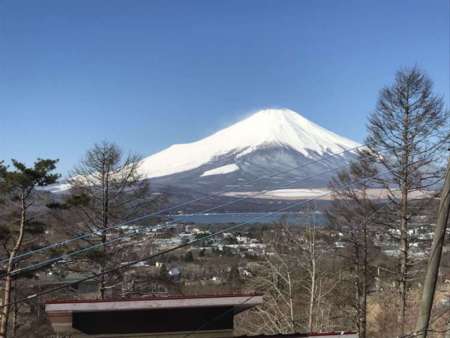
(226, 169)
(320, 194)
(283, 194)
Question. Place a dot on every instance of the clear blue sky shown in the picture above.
(149, 73)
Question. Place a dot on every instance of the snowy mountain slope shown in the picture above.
(270, 128)
(272, 150)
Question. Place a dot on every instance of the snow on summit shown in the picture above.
(265, 128)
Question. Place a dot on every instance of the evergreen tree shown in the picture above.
(18, 192)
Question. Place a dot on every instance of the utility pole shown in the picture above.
(434, 260)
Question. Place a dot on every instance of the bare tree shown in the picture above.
(297, 281)
(352, 211)
(278, 279)
(107, 188)
(318, 280)
(311, 268)
(407, 133)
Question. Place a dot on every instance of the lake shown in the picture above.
(291, 218)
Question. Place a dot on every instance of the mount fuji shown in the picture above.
(273, 150)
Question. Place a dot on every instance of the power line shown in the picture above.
(219, 194)
(161, 253)
(38, 265)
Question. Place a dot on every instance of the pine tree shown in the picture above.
(17, 189)
(407, 135)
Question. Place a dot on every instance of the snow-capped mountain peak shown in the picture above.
(286, 127)
(265, 128)
(271, 150)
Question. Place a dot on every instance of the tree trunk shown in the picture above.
(403, 259)
(102, 282)
(434, 261)
(313, 283)
(15, 322)
(359, 280)
(105, 220)
(361, 263)
(10, 267)
(363, 286)
(404, 245)
(291, 303)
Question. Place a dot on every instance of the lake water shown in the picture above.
(291, 218)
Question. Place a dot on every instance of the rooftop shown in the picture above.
(239, 301)
(210, 315)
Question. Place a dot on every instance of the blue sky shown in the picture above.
(149, 73)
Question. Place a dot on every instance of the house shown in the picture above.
(174, 316)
